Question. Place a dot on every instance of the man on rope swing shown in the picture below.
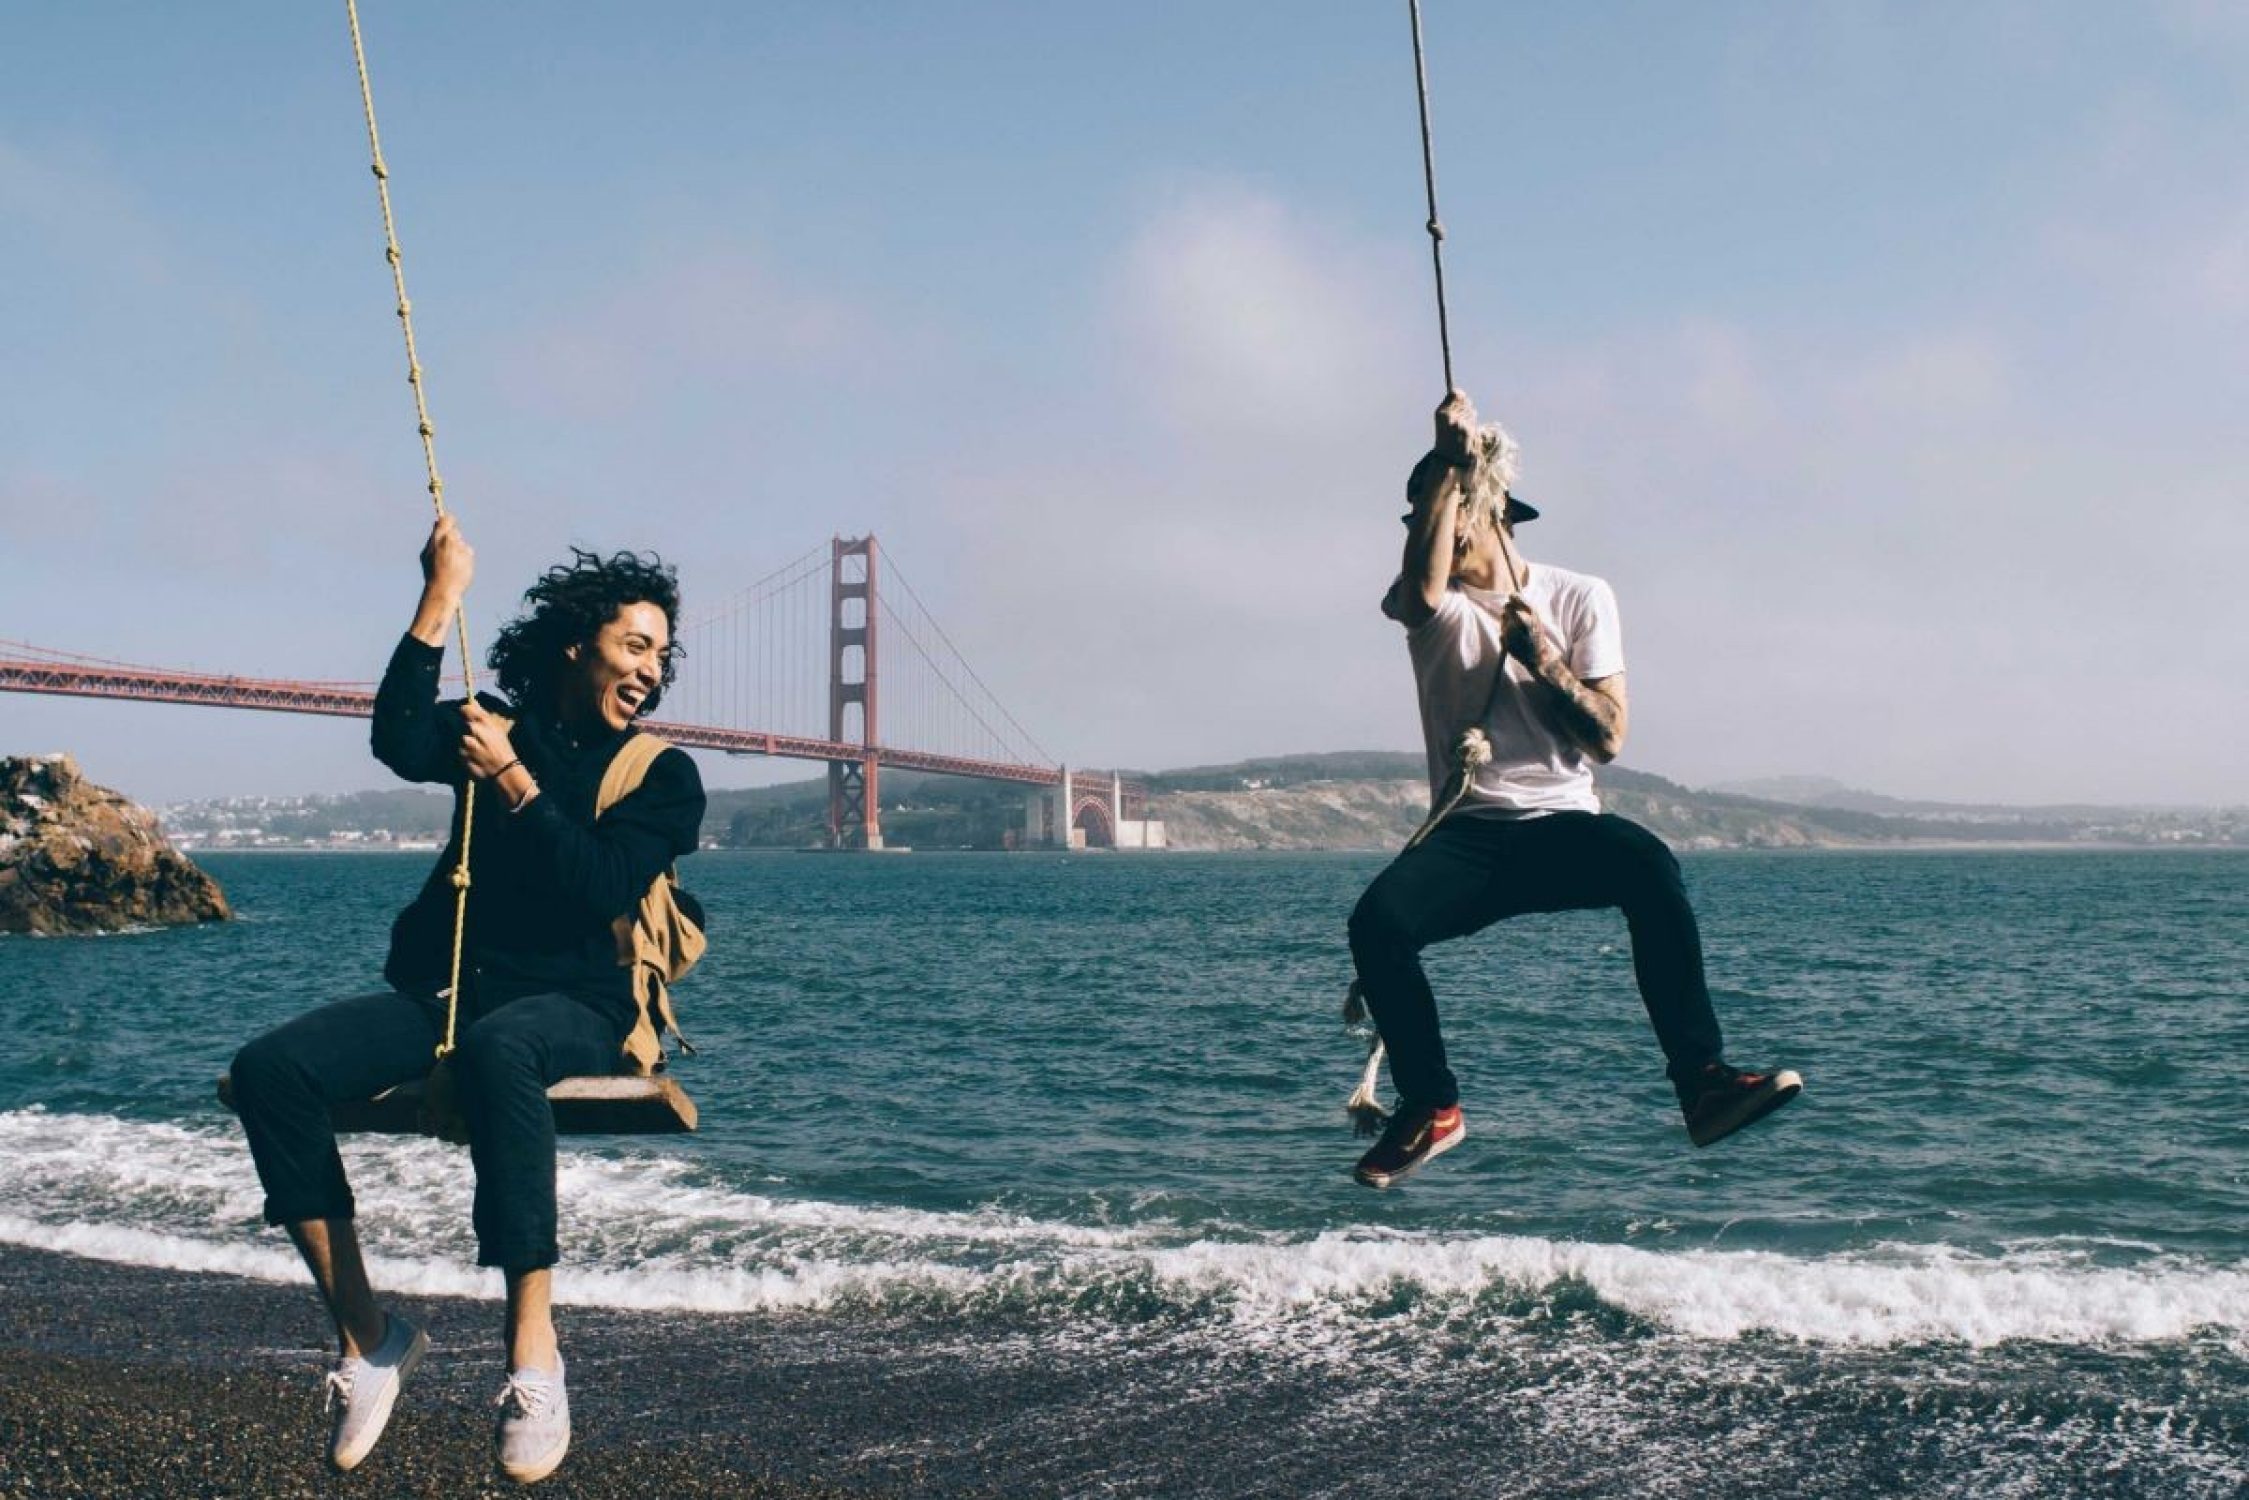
(543, 994)
(1532, 656)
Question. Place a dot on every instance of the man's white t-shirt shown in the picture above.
(1535, 768)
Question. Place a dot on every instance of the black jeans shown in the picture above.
(1474, 871)
(504, 1061)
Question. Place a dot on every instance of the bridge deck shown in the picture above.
(357, 701)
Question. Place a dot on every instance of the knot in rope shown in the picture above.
(1429, 181)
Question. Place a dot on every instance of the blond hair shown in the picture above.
(1491, 474)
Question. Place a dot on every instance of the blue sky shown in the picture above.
(1887, 358)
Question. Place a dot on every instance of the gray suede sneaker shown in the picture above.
(362, 1390)
(534, 1429)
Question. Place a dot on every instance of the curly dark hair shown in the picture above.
(569, 605)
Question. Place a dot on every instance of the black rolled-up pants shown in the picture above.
(503, 1062)
(1472, 872)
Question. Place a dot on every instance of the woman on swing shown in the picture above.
(542, 994)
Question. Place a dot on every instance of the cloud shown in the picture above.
(1835, 553)
(1241, 318)
(714, 319)
(76, 209)
(2157, 223)
(2218, 267)
(1251, 404)
(1905, 560)
(1720, 382)
(2184, 266)
(1202, 527)
(39, 509)
(2205, 24)
(1944, 379)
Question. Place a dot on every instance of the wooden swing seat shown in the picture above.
(620, 1104)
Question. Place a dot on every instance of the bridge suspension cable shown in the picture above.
(1024, 739)
(785, 576)
(759, 657)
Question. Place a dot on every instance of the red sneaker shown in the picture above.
(1727, 1098)
(1413, 1136)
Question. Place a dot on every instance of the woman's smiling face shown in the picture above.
(614, 674)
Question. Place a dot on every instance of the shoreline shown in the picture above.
(124, 1381)
(121, 1381)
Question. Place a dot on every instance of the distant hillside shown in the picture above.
(1374, 799)
(1273, 808)
(1825, 791)
(1363, 799)
(1287, 771)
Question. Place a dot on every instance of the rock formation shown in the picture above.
(75, 857)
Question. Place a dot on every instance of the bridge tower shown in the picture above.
(854, 803)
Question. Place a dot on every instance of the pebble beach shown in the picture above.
(118, 1382)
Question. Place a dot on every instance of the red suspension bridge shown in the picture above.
(821, 660)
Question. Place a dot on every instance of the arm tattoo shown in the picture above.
(1592, 718)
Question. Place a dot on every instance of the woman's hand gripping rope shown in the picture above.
(486, 750)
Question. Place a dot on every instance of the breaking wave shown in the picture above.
(666, 1234)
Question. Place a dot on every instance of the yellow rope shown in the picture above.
(437, 498)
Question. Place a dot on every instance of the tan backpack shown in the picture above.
(661, 939)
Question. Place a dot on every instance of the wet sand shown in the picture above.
(125, 1381)
(119, 1381)
(75, 1426)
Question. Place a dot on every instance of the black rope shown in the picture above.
(1429, 180)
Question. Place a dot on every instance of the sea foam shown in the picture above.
(661, 1233)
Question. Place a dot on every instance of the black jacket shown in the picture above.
(545, 883)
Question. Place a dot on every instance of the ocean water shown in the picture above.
(1094, 1103)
